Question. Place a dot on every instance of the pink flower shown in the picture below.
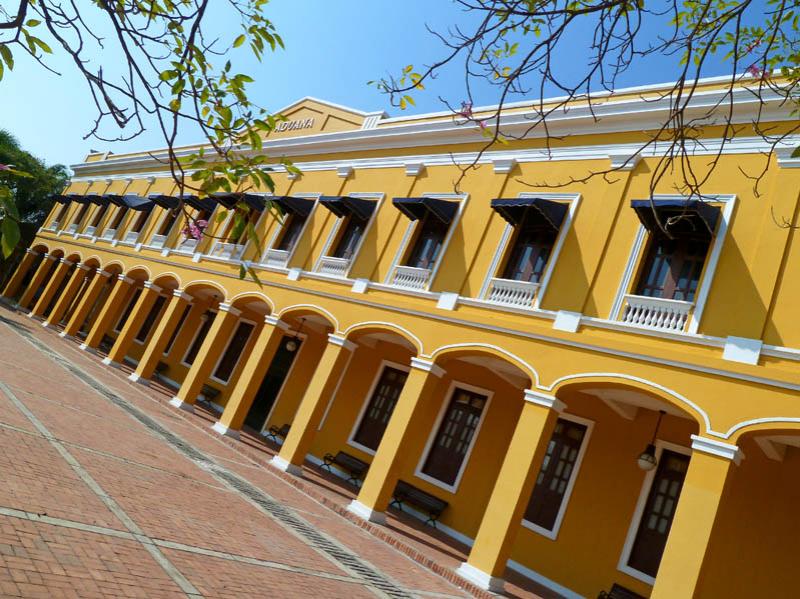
(756, 72)
(195, 229)
(482, 124)
(4, 167)
(466, 110)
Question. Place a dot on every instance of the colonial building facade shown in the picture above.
(534, 366)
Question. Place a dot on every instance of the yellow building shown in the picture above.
(543, 372)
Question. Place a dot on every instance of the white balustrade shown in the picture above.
(512, 293)
(337, 267)
(656, 312)
(109, 234)
(53, 225)
(228, 251)
(188, 245)
(410, 277)
(72, 228)
(131, 237)
(89, 231)
(276, 258)
(158, 241)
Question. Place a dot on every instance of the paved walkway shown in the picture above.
(109, 492)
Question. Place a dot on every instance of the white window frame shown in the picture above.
(279, 229)
(623, 566)
(334, 234)
(365, 402)
(203, 318)
(435, 431)
(728, 203)
(552, 534)
(228, 342)
(303, 337)
(462, 199)
(573, 200)
(141, 231)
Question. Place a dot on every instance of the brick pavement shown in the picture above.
(154, 519)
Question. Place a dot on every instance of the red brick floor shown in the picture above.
(96, 503)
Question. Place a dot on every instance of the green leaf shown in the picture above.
(5, 53)
(32, 23)
(239, 41)
(10, 238)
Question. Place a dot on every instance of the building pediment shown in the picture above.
(310, 116)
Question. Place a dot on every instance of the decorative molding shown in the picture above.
(180, 294)
(292, 176)
(414, 169)
(344, 171)
(67, 262)
(152, 287)
(341, 342)
(276, 322)
(105, 273)
(360, 286)
(545, 400)
(503, 166)
(742, 349)
(84, 267)
(225, 307)
(567, 321)
(447, 301)
(427, 366)
(125, 279)
(785, 158)
(624, 161)
(717, 448)
(294, 274)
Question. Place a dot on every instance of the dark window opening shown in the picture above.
(658, 513)
(381, 405)
(139, 221)
(672, 268)
(128, 309)
(62, 212)
(428, 242)
(166, 223)
(241, 238)
(208, 319)
(455, 435)
(348, 240)
(291, 232)
(555, 473)
(80, 214)
(148, 323)
(233, 352)
(177, 330)
(118, 216)
(530, 250)
(98, 216)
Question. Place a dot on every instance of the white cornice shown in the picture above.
(629, 114)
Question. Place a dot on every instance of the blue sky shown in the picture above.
(333, 47)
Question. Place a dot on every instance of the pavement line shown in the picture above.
(377, 581)
(178, 578)
(121, 534)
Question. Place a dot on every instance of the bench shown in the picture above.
(351, 464)
(275, 432)
(407, 493)
(209, 393)
(619, 592)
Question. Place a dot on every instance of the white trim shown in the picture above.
(454, 385)
(479, 578)
(213, 375)
(638, 511)
(552, 534)
(365, 402)
(544, 400)
(366, 513)
(717, 448)
(340, 341)
(427, 366)
(276, 322)
(277, 233)
(499, 252)
(710, 267)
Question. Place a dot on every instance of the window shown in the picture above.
(232, 353)
(202, 331)
(98, 216)
(118, 216)
(557, 474)
(128, 309)
(177, 330)
(148, 323)
(347, 244)
(672, 268)
(80, 214)
(169, 219)
(139, 220)
(530, 250)
(659, 511)
(292, 229)
(62, 212)
(455, 436)
(428, 242)
(241, 238)
(380, 407)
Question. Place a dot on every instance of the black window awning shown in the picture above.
(200, 203)
(74, 197)
(132, 201)
(343, 206)
(229, 200)
(546, 212)
(165, 201)
(679, 217)
(96, 198)
(60, 198)
(417, 208)
(299, 206)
